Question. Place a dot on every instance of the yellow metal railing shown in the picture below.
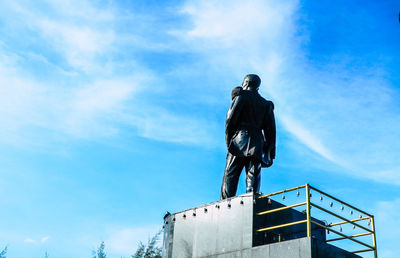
(331, 227)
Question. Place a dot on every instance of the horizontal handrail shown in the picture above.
(340, 217)
(342, 238)
(363, 216)
(281, 208)
(361, 251)
(282, 225)
(344, 222)
(343, 235)
(330, 196)
(283, 191)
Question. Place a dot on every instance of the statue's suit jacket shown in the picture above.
(250, 126)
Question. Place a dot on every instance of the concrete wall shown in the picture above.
(220, 227)
(298, 248)
(225, 229)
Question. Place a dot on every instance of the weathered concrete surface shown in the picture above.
(220, 227)
(297, 248)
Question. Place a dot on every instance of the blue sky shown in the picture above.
(113, 112)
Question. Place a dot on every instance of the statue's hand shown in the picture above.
(268, 162)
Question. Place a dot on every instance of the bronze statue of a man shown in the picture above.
(250, 135)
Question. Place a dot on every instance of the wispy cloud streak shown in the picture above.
(94, 93)
(344, 111)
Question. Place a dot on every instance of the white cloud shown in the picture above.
(97, 108)
(29, 104)
(44, 239)
(349, 113)
(81, 39)
(33, 241)
(81, 9)
(163, 125)
(96, 98)
(29, 240)
(237, 37)
(80, 44)
(344, 111)
(90, 110)
(344, 114)
(78, 31)
(103, 95)
(383, 176)
(19, 98)
(237, 21)
(306, 137)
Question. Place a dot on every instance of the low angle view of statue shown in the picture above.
(253, 224)
(250, 136)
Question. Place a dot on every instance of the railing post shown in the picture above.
(374, 236)
(308, 211)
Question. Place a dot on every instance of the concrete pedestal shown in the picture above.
(228, 228)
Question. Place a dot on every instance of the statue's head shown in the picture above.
(251, 82)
